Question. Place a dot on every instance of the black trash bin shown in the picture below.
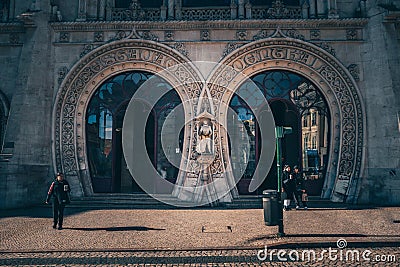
(271, 207)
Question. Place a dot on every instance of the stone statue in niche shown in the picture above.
(205, 134)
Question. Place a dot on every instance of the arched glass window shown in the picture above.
(291, 98)
(104, 122)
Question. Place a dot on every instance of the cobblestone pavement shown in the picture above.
(387, 256)
(201, 237)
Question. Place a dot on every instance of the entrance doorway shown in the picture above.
(293, 100)
(104, 122)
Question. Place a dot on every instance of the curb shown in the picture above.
(278, 245)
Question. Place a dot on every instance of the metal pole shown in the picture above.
(279, 135)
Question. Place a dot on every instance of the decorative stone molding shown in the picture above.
(205, 35)
(278, 10)
(86, 49)
(293, 33)
(12, 27)
(205, 14)
(231, 47)
(354, 23)
(262, 34)
(241, 35)
(147, 35)
(64, 37)
(327, 48)
(169, 36)
(134, 34)
(119, 35)
(315, 34)
(98, 36)
(354, 71)
(333, 80)
(62, 72)
(278, 32)
(14, 38)
(351, 34)
(180, 47)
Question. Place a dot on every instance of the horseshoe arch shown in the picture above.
(345, 164)
(69, 147)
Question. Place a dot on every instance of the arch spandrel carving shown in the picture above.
(89, 73)
(334, 82)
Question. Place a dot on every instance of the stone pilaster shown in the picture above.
(321, 8)
(241, 9)
(82, 11)
(313, 9)
(171, 9)
(178, 9)
(102, 9)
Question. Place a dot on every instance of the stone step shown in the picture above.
(139, 201)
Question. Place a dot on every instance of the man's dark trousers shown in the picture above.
(58, 212)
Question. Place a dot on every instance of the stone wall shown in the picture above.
(35, 59)
(381, 89)
(24, 179)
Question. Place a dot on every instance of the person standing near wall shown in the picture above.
(289, 186)
(300, 189)
(59, 192)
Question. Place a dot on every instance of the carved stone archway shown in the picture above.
(279, 52)
(88, 74)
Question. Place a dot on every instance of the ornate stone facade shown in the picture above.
(86, 44)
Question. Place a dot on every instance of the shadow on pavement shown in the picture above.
(116, 229)
(38, 212)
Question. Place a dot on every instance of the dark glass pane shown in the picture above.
(122, 3)
(151, 3)
(104, 122)
(243, 129)
(104, 110)
(269, 2)
(261, 2)
(292, 98)
(203, 3)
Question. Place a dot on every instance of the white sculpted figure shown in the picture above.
(204, 145)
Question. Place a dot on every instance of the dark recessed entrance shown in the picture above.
(297, 103)
(104, 122)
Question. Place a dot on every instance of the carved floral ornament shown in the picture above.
(334, 81)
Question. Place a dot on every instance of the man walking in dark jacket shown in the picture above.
(300, 188)
(58, 191)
